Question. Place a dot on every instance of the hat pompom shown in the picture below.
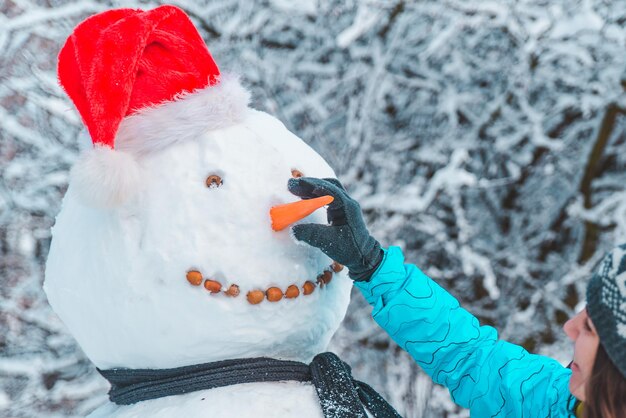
(105, 178)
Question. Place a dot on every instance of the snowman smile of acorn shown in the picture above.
(171, 262)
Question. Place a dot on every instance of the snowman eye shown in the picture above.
(296, 174)
(213, 181)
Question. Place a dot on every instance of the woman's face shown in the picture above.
(581, 331)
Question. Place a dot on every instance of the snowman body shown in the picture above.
(249, 400)
(117, 276)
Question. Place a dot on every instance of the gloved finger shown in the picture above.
(337, 213)
(316, 235)
(335, 182)
(336, 216)
(311, 187)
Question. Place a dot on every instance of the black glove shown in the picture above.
(346, 240)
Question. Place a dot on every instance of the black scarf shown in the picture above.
(340, 395)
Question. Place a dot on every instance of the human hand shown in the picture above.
(345, 239)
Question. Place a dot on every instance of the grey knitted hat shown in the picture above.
(606, 305)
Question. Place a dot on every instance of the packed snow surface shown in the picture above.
(249, 400)
(117, 277)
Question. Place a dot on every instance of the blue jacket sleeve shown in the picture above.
(492, 378)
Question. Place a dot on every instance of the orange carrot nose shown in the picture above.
(284, 215)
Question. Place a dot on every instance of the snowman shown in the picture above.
(171, 261)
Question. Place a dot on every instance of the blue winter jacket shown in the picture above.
(492, 378)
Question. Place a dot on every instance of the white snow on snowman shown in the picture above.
(163, 254)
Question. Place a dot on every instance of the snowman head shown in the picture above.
(163, 254)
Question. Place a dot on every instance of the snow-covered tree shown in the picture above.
(487, 138)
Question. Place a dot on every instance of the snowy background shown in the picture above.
(488, 139)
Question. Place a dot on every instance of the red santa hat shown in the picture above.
(141, 80)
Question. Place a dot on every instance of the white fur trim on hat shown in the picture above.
(154, 128)
(105, 178)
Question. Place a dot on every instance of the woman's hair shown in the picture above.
(606, 389)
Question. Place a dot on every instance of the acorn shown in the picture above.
(233, 290)
(336, 267)
(255, 296)
(308, 288)
(274, 294)
(214, 181)
(292, 292)
(212, 286)
(194, 277)
(320, 281)
(324, 278)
